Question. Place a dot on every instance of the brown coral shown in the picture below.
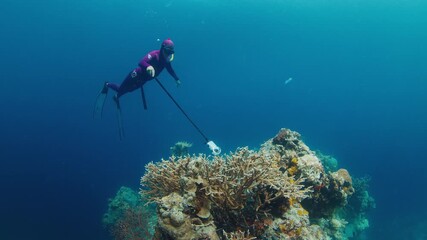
(227, 182)
(280, 138)
(344, 175)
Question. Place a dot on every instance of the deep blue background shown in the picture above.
(359, 72)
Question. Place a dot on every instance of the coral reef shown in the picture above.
(329, 162)
(359, 205)
(229, 192)
(127, 218)
(180, 148)
(281, 191)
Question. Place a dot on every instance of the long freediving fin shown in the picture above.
(100, 100)
(119, 117)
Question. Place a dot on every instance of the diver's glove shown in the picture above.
(178, 83)
(150, 70)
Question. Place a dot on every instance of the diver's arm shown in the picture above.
(171, 72)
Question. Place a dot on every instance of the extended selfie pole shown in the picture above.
(212, 146)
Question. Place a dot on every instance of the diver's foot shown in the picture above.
(105, 88)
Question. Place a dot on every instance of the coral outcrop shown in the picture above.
(281, 191)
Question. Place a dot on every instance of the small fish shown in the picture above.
(288, 80)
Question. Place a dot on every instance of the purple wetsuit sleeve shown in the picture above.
(146, 61)
(171, 71)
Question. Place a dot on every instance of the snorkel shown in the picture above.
(170, 57)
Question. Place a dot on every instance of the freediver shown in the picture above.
(148, 68)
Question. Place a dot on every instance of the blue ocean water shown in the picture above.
(359, 77)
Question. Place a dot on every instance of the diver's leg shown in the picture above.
(132, 82)
(128, 85)
(113, 86)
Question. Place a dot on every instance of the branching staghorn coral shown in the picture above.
(163, 178)
(234, 188)
(238, 235)
(246, 173)
(227, 182)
